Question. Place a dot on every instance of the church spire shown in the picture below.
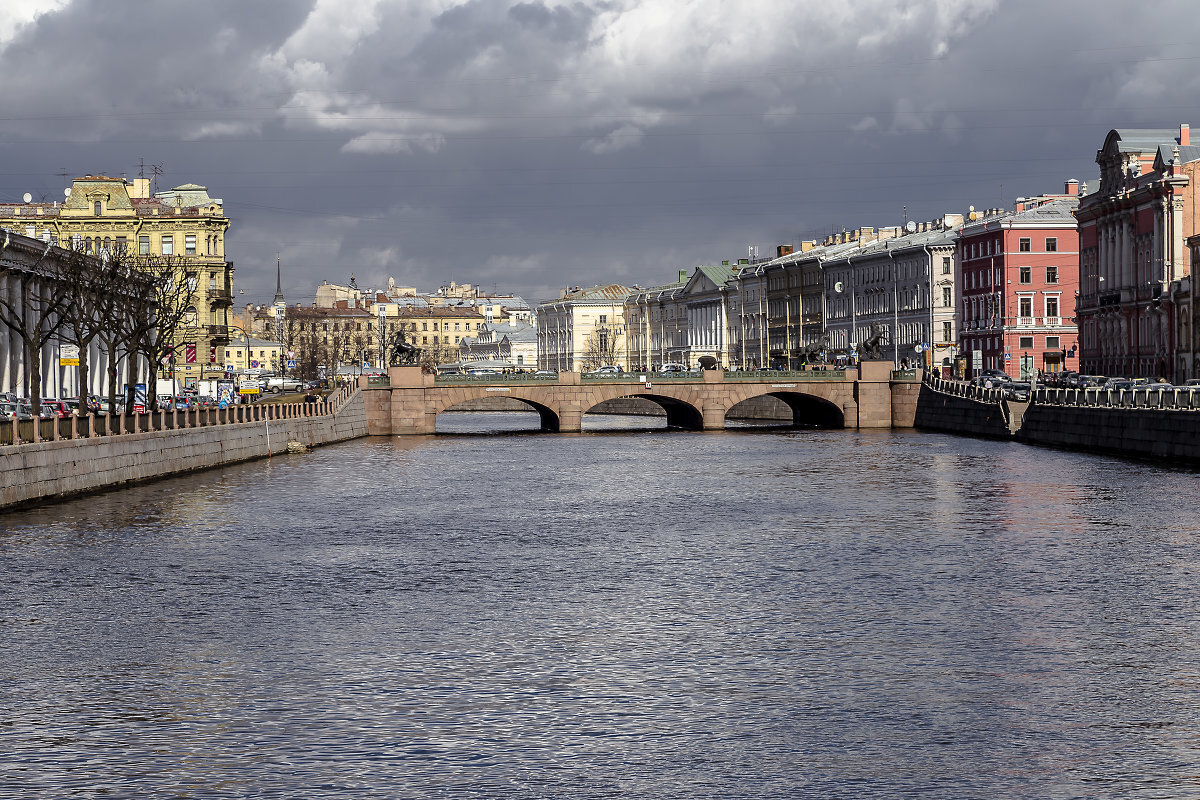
(279, 301)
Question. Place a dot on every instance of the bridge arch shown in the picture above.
(680, 413)
(808, 410)
(548, 417)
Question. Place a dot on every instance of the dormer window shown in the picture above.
(99, 206)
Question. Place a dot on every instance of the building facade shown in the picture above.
(183, 227)
(584, 329)
(33, 310)
(1019, 275)
(1132, 232)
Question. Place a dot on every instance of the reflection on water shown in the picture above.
(664, 615)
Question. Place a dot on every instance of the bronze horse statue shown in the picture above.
(400, 352)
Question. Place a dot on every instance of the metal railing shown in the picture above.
(970, 391)
(1177, 398)
(89, 426)
(659, 377)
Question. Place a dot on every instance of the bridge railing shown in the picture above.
(639, 377)
(87, 426)
(510, 377)
(788, 374)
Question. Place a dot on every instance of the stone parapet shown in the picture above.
(52, 470)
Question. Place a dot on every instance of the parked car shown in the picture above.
(55, 408)
(996, 376)
(277, 384)
(608, 369)
(672, 367)
(545, 373)
(9, 409)
(1016, 390)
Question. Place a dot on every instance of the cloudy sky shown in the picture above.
(526, 146)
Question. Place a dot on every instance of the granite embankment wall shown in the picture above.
(948, 413)
(1160, 433)
(1138, 432)
(53, 470)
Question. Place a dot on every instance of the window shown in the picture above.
(1025, 306)
(1051, 274)
(1053, 343)
(1051, 244)
(1026, 274)
(121, 245)
(445, 340)
(947, 296)
(189, 244)
(98, 206)
(603, 319)
(168, 244)
(424, 340)
(1025, 245)
(1026, 343)
(143, 245)
(946, 265)
(947, 331)
(1052, 306)
(456, 326)
(424, 326)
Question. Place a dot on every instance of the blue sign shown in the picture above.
(291, 364)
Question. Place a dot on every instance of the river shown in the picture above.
(641, 614)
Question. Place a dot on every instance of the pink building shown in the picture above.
(1019, 276)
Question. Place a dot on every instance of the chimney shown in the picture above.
(783, 250)
(1072, 187)
(805, 246)
(1185, 135)
(683, 274)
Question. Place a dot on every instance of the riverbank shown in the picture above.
(53, 470)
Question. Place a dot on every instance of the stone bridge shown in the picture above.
(409, 401)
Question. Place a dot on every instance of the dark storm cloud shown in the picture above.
(533, 145)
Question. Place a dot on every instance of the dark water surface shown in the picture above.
(644, 615)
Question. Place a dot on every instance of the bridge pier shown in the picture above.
(570, 419)
(713, 418)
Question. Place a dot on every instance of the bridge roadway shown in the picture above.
(409, 401)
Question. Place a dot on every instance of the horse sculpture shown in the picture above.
(869, 350)
(400, 352)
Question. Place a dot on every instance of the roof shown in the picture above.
(612, 291)
(440, 311)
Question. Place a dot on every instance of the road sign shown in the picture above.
(68, 355)
(291, 364)
(918, 348)
(1008, 356)
(255, 364)
(976, 360)
(229, 368)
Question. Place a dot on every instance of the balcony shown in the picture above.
(220, 297)
(217, 334)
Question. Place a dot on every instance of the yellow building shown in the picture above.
(103, 215)
(584, 329)
(252, 353)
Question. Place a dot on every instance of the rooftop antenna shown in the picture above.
(63, 175)
(906, 216)
(156, 169)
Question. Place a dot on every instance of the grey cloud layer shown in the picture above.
(536, 144)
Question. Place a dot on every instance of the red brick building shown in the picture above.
(1019, 273)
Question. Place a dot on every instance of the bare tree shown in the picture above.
(161, 299)
(600, 348)
(94, 291)
(34, 307)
